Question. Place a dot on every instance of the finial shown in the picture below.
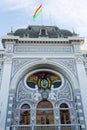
(11, 29)
(11, 32)
(74, 33)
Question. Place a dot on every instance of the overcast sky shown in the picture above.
(66, 14)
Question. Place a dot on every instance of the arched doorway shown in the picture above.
(64, 114)
(45, 114)
(25, 114)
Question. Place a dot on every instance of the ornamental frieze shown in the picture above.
(43, 49)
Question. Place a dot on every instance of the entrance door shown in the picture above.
(45, 114)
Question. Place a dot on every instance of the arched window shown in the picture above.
(64, 114)
(44, 80)
(25, 114)
(45, 114)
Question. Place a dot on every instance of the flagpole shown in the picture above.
(50, 19)
(37, 12)
(42, 14)
(42, 18)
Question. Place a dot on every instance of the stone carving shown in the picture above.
(57, 119)
(66, 92)
(85, 63)
(43, 49)
(69, 63)
(37, 96)
(8, 58)
(9, 48)
(22, 94)
(33, 118)
(76, 48)
(79, 59)
(18, 63)
(73, 115)
(16, 116)
(52, 96)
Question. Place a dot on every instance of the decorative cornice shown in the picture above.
(44, 41)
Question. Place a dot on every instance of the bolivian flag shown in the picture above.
(38, 10)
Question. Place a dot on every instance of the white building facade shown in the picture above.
(43, 78)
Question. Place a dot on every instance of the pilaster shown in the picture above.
(82, 78)
(5, 89)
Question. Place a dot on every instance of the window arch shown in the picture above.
(64, 114)
(44, 80)
(45, 114)
(25, 114)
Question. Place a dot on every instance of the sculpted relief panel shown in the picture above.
(66, 92)
(20, 62)
(69, 63)
(22, 93)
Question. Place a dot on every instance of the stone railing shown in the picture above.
(47, 127)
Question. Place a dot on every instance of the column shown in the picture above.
(83, 85)
(5, 90)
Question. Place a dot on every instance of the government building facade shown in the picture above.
(43, 80)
